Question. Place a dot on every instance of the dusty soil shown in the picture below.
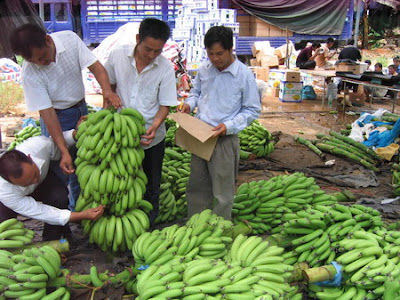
(285, 121)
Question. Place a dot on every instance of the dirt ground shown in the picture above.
(285, 120)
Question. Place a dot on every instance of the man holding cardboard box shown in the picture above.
(226, 97)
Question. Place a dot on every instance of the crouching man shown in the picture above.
(29, 188)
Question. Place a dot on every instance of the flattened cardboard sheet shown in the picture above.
(194, 135)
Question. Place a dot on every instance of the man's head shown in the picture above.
(392, 69)
(368, 62)
(150, 41)
(315, 45)
(350, 42)
(33, 44)
(378, 67)
(219, 45)
(330, 42)
(396, 60)
(18, 168)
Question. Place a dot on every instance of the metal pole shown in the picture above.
(41, 10)
(357, 25)
(287, 58)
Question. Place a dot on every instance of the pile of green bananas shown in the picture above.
(175, 175)
(27, 275)
(205, 234)
(310, 235)
(109, 172)
(13, 234)
(252, 269)
(256, 139)
(24, 134)
(396, 179)
(262, 204)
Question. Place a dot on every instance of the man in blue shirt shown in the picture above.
(225, 94)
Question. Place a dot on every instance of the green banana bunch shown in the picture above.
(262, 204)
(109, 160)
(256, 139)
(170, 136)
(13, 234)
(24, 134)
(26, 275)
(330, 293)
(396, 179)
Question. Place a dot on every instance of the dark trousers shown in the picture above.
(152, 166)
(310, 64)
(68, 119)
(51, 191)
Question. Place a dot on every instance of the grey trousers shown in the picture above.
(214, 179)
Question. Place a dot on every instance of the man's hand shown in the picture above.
(149, 136)
(184, 109)
(111, 99)
(66, 164)
(94, 213)
(220, 129)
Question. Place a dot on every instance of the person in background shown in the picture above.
(306, 57)
(145, 80)
(327, 53)
(52, 83)
(30, 188)
(350, 52)
(369, 65)
(225, 95)
(375, 92)
(392, 70)
(396, 62)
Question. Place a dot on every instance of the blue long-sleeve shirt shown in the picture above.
(228, 97)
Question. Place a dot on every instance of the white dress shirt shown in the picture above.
(230, 97)
(41, 149)
(144, 91)
(59, 84)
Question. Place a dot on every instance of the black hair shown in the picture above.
(350, 42)
(392, 66)
(26, 37)
(11, 164)
(316, 44)
(219, 34)
(330, 40)
(379, 65)
(155, 29)
(368, 61)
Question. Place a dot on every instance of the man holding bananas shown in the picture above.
(26, 179)
(225, 94)
(145, 80)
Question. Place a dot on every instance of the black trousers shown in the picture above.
(310, 64)
(152, 166)
(51, 191)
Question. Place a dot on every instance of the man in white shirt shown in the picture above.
(52, 82)
(25, 179)
(226, 96)
(145, 80)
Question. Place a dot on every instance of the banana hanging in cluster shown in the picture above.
(109, 172)
(13, 234)
(396, 179)
(256, 139)
(24, 134)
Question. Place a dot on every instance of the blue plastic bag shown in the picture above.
(308, 93)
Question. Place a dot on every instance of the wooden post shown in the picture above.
(319, 274)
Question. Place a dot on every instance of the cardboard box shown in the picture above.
(355, 69)
(357, 99)
(269, 61)
(290, 91)
(261, 73)
(291, 76)
(254, 62)
(194, 135)
(257, 46)
(275, 92)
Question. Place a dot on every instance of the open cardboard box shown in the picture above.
(194, 135)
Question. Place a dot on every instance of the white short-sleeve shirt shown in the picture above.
(146, 91)
(59, 84)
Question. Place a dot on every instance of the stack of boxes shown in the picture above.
(290, 87)
(194, 19)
